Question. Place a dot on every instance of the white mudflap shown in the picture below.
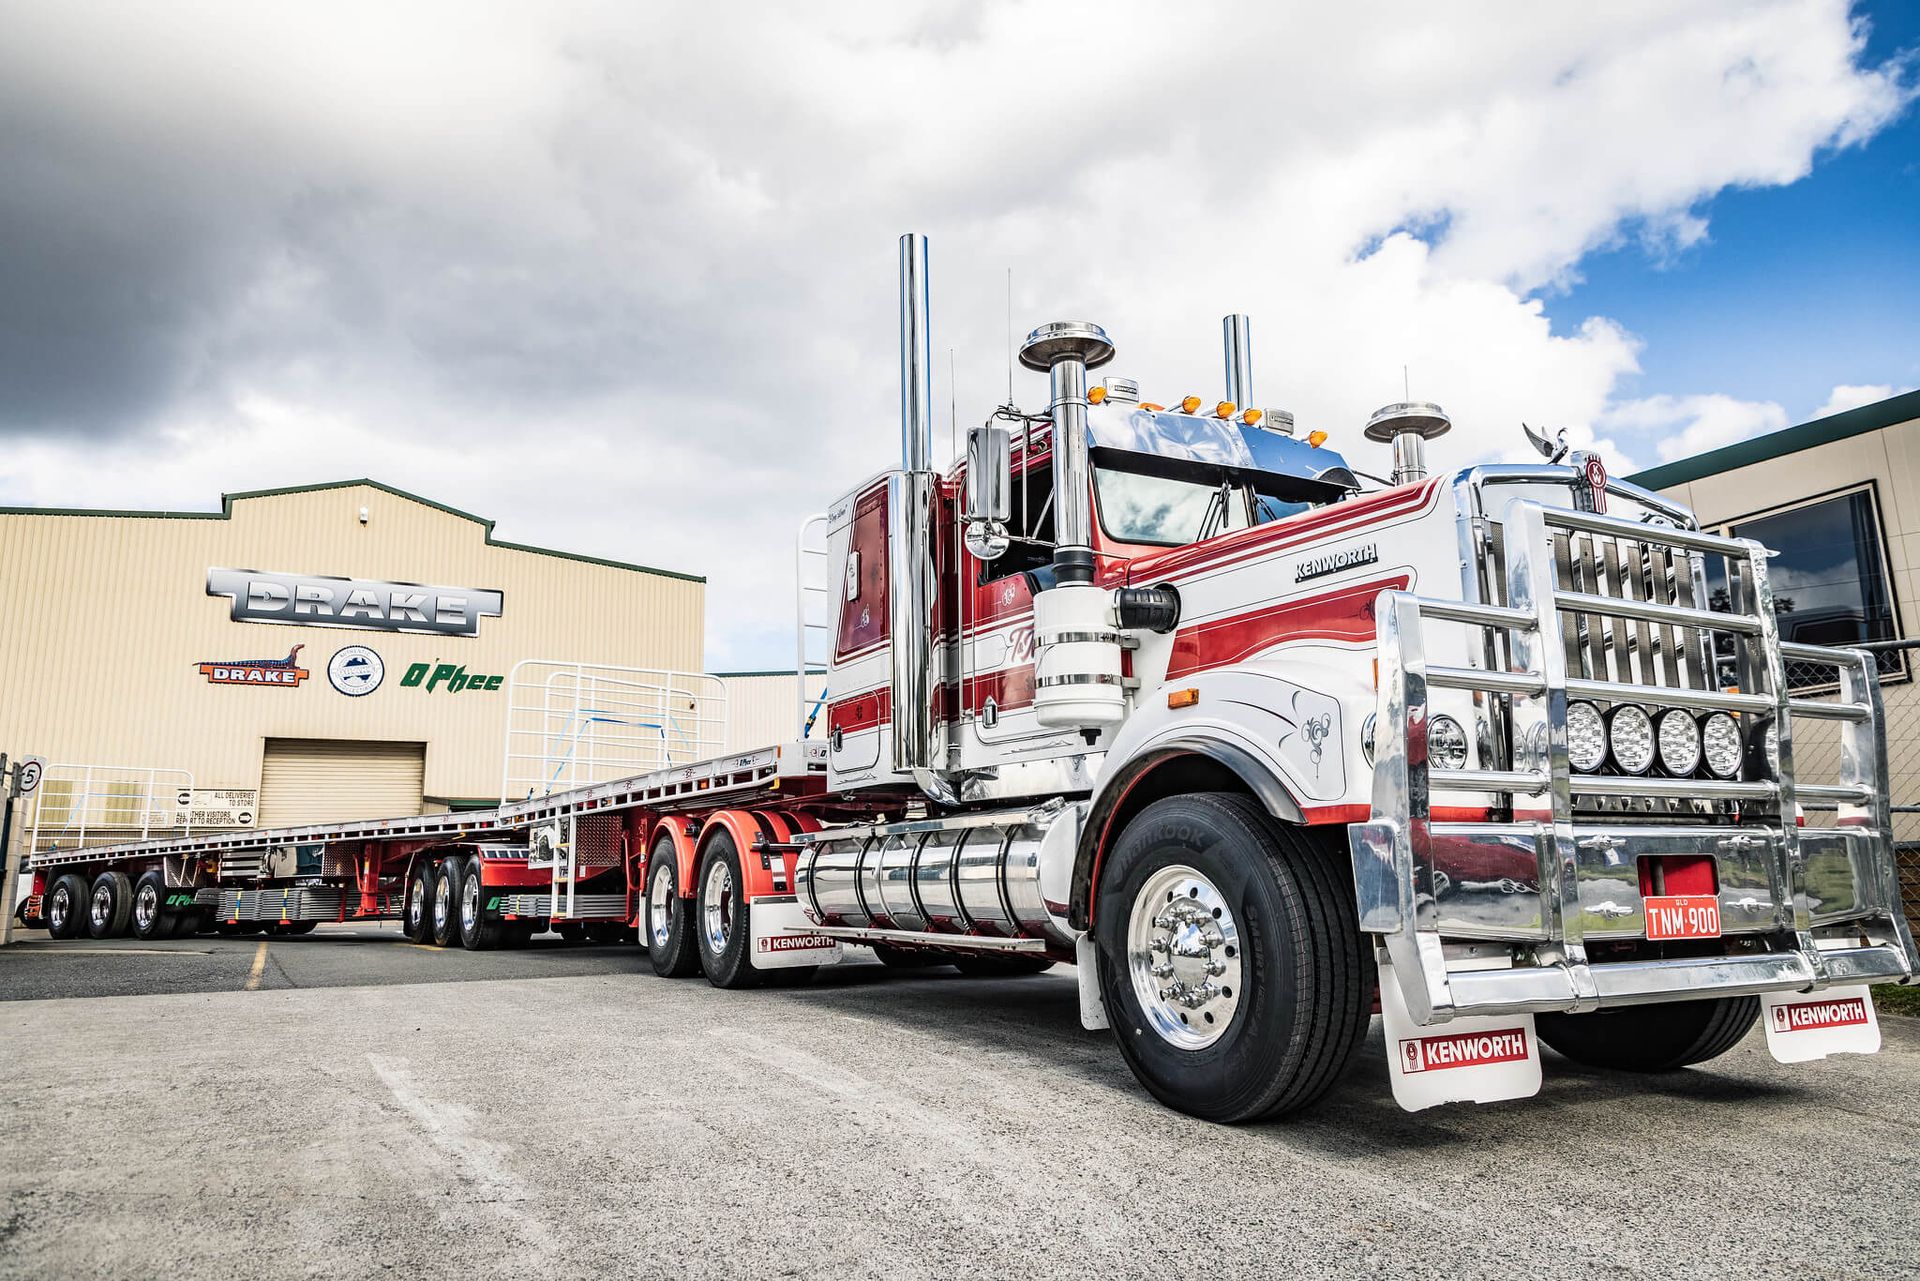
(1086, 962)
(783, 939)
(1466, 1060)
(1803, 1026)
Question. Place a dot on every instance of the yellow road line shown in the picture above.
(259, 968)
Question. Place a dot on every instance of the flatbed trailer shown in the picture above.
(1505, 753)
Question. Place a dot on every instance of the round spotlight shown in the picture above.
(1722, 739)
(1679, 738)
(1586, 737)
(1630, 734)
(1446, 743)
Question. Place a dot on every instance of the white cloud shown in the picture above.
(1682, 426)
(621, 276)
(1853, 395)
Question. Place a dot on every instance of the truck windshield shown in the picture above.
(1137, 508)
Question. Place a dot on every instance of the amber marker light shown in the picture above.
(1224, 409)
(1097, 395)
(1183, 698)
(1251, 417)
(1189, 404)
(1316, 438)
(1151, 407)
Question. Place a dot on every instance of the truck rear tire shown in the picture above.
(669, 932)
(65, 908)
(1001, 967)
(1651, 1038)
(723, 930)
(446, 902)
(111, 905)
(416, 917)
(477, 933)
(1233, 970)
(151, 919)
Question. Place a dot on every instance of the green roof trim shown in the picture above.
(228, 500)
(769, 671)
(1788, 440)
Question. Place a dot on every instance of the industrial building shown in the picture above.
(328, 651)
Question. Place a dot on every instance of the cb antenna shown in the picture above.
(1009, 337)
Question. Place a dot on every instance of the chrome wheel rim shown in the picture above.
(59, 908)
(100, 910)
(442, 902)
(146, 907)
(416, 905)
(660, 904)
(470, 904)
(716, 905)
(1183, 956)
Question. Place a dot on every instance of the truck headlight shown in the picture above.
(1679, 736)
(1446, 743)
(1586, 737)
(1630, 734)
(1722, 739)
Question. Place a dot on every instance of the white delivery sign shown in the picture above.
(215, 807)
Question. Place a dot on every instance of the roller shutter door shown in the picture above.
(320, 780)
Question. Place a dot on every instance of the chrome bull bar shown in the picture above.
(1550, 881)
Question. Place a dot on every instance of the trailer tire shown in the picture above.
(416, 916)
(1212, 879)
(65, 908)
(1651, 1038)
(111, 905)
(1001, 967)
(477, 933)
(669, 929)
(722, 918)
(151, 919)
(446, 902)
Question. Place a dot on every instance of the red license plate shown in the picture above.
(1682, 916)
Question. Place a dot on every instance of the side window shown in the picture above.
(862, 588)
(1031, 526)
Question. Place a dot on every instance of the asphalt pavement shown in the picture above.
(372, 1109)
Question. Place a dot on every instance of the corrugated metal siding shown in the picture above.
(763, 709)
(306, 780)
(108, 617)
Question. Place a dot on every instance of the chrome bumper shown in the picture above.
(1802, 908)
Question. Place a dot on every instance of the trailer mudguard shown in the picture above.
(674, 827)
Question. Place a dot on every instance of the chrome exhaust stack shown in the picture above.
(1408, 427)
(1236, 333)
(910, 566)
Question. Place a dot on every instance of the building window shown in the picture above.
(1830, 580)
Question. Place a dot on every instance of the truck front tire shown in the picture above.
(1230, 960)
(1651, 1038)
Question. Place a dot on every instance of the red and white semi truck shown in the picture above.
(1174, 695)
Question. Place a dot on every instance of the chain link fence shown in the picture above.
(1816, 747)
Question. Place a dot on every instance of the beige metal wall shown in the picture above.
(763, 708)
(107, 618)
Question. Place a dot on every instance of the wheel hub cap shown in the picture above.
(719, 906)
(1183, 956)
(659, 903)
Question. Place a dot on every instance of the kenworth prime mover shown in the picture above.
(1172, 694)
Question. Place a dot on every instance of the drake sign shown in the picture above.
(310, 600)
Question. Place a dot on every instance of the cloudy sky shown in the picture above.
(622, 276)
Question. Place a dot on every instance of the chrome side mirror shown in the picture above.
(989, 490)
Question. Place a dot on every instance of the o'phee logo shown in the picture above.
(448, 677)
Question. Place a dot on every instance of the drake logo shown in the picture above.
(313, 601)
(257, 671)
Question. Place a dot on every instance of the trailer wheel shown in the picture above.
(110, 906)
(65, 909)
(1001, 967)
(723, 929)
(416, 917)
(446, 902)
(1229, 957)
(669, 933)
(151, 919)
(1651, 1038)
(477, 933)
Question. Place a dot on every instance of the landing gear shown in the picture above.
(1236, 980)
(1651, 1038)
